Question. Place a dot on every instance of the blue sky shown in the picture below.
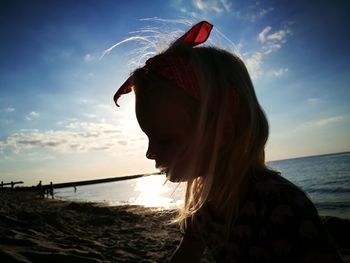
(59, 123)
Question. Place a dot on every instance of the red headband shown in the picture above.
(174, 68)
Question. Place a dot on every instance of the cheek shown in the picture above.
(178, 171)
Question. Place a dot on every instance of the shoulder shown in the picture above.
(282, 204)
(289, 219)
(274, 191)
(279, 207)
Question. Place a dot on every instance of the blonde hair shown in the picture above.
(230, 125)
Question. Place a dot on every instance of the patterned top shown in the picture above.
(278, 223)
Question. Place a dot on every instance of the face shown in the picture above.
(169, 129)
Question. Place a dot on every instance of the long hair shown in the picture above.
(230, 133)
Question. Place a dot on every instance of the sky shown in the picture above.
(57, 116)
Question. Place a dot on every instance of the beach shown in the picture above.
(48, 230)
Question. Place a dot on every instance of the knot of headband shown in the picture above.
(175, 68)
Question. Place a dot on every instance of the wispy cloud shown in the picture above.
(262, 35)
(32, 115)
(260, 13)
(88, 57)
(90, 116)
(253, 63)
(270, 41)
(277, 36)
(313, 100)
(84, 100)
(199, 8)
(206, 8)
(9, 109)
(2, 147)
(321, 122)
(280, 72)
(216, 6)
(76, 138)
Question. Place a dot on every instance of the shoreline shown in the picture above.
(50, 230)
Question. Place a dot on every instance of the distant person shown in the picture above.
(12, 184)
(51, 190)
(75, 189)
(205, 126)
(40, 190)
(2, 184)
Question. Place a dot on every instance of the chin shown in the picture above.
(175, 178)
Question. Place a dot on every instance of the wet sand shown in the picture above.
(44, 230)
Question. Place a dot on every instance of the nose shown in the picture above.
(150, 154)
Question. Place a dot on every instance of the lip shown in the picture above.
(162, 168)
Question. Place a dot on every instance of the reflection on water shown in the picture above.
(325, 178)
(150, 191)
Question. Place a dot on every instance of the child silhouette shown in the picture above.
(198, 107)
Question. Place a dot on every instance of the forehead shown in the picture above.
(158, 115)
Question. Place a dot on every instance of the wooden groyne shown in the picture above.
(97, 181)
(12, 184)
(71, 184)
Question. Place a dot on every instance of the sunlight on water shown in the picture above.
(326, 179)
(152, 192)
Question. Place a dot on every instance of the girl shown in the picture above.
(205, 126)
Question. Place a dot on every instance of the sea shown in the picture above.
(325, 179)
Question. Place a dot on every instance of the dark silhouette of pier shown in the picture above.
(43, 188)
(12, 184)
(97, 181)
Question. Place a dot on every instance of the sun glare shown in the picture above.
(152, 192)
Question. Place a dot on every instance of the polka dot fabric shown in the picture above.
(277, 223)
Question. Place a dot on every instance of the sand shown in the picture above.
(45, 230)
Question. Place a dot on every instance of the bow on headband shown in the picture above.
(174, 68)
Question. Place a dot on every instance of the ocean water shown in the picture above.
(325, 178)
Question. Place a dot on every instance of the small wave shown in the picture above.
(333, 190)
(327, 205)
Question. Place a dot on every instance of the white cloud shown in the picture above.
(90, 116)
(253, 64)
(271, 48)
(256, 12)
(2, 146)
(313, 100)
(270, 42)
(327, 121)
(88, 57)
(280, 72)
(278, 36)
(262, 12)
(84, 100)
(217, 6)
(263, 33)
(76, 138)
(226, 4)
(320, 122)
(32, 115)
(9, 109)
(199, 4)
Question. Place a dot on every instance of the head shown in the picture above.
(212, 138)
(167, 116)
